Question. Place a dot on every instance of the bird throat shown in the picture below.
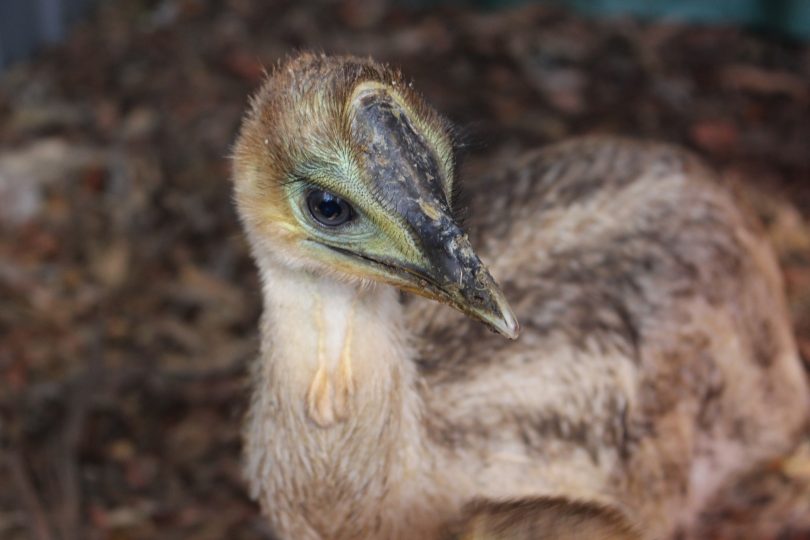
(333, 353)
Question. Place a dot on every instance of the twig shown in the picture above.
(68, 467)
(38, 521)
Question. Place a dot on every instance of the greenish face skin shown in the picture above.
(382, 211)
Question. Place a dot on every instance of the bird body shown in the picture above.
(655, 363)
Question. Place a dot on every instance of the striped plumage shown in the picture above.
(655, 363)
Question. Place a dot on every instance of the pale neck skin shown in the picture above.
(336, 416)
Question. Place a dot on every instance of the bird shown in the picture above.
(633, 357)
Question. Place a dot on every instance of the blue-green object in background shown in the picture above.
(786, 17)
(27, 24)
(791, 17)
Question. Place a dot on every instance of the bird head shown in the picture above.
(341, 168)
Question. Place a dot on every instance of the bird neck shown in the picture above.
(335, 390)
(332, 347)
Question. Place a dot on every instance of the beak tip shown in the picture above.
(507, 325)
(511, 329)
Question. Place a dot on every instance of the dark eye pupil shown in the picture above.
(328, 209)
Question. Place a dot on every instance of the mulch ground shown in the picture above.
(128, 303)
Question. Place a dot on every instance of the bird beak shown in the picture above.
(452, 274)
(456, 276)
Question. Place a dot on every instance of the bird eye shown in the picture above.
(328, 209)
